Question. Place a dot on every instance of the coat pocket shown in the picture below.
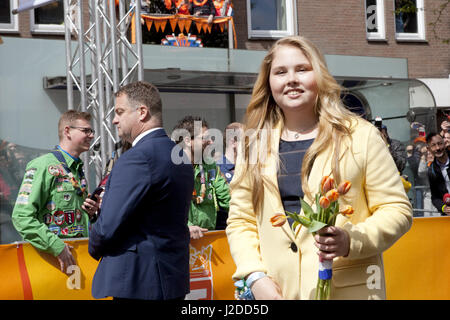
(353, 275)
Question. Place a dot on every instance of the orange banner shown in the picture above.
(184, 23)
(415, 267)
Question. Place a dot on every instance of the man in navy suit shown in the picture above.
(141, 234)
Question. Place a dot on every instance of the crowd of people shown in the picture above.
(209, 8)
(163, 192)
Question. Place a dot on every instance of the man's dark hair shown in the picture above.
(431, 135)
(187, 123)
(143, 93)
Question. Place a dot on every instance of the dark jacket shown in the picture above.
(398, 152)
(437, 184)
(142, 234)
(205, 10)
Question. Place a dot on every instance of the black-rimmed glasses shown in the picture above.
(86, 131)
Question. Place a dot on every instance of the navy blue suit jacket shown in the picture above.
(141, 234)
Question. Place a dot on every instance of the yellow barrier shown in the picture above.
(416, 267)
(26, 273)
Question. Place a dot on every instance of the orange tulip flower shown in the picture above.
(278, 220)
(344, 187)
(332, 195)
(347, 211)
(324, 202)
(326, 184)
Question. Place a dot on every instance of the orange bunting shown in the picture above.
(181, 24)
(184, 22)
(173, 24)
(149, 23)
(157, 25)
(187, 24)
(199, 27)
(163, 25)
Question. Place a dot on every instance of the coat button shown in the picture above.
(293, 247)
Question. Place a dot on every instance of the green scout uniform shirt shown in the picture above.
(48, 207)
(204, 214)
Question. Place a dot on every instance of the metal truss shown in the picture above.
(100, 59)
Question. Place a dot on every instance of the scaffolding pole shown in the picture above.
(101, 51)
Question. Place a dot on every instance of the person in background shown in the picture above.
(226, 163)
(211, 190)
(438, 172)
(51, 203)
(396, 148)
(231, 139)
(203, 8)
(178, 6)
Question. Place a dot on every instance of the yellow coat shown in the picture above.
(382, 215)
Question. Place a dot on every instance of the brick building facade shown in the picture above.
(338, 27)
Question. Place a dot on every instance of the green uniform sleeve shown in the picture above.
(222, 190)
(34, 191)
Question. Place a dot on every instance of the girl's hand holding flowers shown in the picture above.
(332, 242)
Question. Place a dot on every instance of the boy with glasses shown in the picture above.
(51, 202)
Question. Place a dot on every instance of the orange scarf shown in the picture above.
(200, 3)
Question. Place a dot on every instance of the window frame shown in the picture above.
(46, 28)
(13, 26)
(380, 35)
(291, 23)
(421, 33)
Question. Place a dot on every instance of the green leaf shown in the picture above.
(316, 226)
(293, 216)
(305, 221)
(306, 209)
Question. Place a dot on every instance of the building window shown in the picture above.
(271, 18)
(8, 21)
(409, 20)
(375, 29)
(48, 19)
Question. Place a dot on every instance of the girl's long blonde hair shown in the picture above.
(263, 114)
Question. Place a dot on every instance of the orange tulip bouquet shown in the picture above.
(327, 207)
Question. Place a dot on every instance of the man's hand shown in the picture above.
(197, 232)
(210, 19)
(91, 206)
(66, 258)
(266, 289)
(447, 210)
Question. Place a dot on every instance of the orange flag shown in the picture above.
(173, 24)
(181, 24)
(149, 23)
(163, 25)
(157, 25)
(199, 26)
(187, 24)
